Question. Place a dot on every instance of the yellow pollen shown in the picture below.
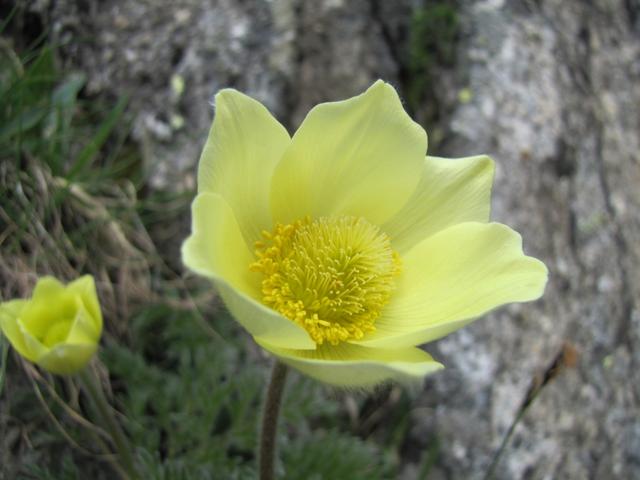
(331, 275)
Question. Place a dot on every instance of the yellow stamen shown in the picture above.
(331, 275)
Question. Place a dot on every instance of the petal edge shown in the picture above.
(348, 365)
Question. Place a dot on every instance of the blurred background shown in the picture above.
(105, 108)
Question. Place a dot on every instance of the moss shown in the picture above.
(432, 47)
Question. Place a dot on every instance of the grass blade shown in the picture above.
(89, 152)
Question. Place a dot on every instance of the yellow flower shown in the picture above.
(343, 248)
(58, 328)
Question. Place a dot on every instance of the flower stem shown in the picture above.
(96, 395)
(270, 416)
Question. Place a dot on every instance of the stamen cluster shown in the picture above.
(331, 275)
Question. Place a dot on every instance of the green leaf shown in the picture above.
(65, 94)
(332, 455)
(25, 121)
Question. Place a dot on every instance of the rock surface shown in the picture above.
(549, 88)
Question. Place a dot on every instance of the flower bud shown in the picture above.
(58, 328)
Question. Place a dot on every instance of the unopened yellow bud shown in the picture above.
(58, 328)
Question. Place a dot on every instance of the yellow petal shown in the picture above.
(351, 365)
(83, 328)
(9, 314)
(65, 359)
(57, 332)
(47, 288)
(262, 321)
(360, 157)
(216, 250)
(50, 303)
(85, 288)
(244, 145)
(453, 277)
(450, 191)
(216, 247)
(35, 348)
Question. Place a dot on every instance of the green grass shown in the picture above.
(188, 383)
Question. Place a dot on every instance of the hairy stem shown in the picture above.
(270, 416)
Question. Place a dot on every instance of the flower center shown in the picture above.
(331, 275)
